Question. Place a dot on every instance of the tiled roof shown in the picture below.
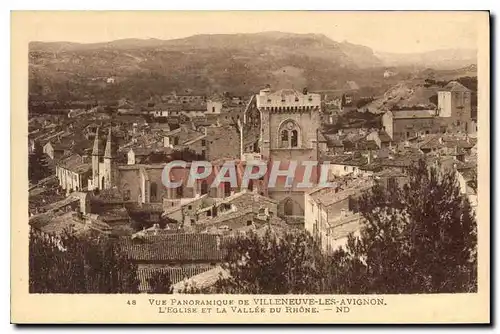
(250, 196)
(366, 145)
(244, 213)
(287, 92)
(437, 141)
(54, 224)
(138, 151)
(203, 279)
(389, 172)
(346, 159)
(177, 274)
(455, 86)
(333, 140)
(449, 162)
(59, 204)
(342, 227)
(174, 248)
(413, 114)
(329, 199)
(74, 163)
(384, 137)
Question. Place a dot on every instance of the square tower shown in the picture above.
(454, 101)
(289, 125)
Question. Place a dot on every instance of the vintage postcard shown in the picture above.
(250, 167)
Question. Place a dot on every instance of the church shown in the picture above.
(280, 127)
(142, 183)
(287, 122)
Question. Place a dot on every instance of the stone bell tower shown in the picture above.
(109, 171)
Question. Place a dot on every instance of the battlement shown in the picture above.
(288, 100)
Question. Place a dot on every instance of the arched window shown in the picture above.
(288, 134)
(288, 207)
(284, 138)
(250, 185)
(284, 135)
(153, 190)
(295, 138)
(102, 182)
(204, 187)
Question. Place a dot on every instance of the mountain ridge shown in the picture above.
(240, 63)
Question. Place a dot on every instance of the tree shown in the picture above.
(160, 282)
(270, 264)
(37, 164)
(418, 238)
(70, 264)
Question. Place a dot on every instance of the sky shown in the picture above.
(398, 32)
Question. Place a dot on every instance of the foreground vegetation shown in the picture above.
(418, 238)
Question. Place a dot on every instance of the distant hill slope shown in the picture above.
(441, 59)
(421, 94)
(274, 44)
(204, 64)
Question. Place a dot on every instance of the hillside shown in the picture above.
(420, 93)
(240, 63)
(442, 59)
(202, 64)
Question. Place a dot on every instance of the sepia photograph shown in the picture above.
(312, 164)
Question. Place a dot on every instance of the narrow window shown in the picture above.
(153, 191)
(295, 138)
(288, 207)
(284, 138)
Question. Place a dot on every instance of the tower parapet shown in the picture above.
(288, 100)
